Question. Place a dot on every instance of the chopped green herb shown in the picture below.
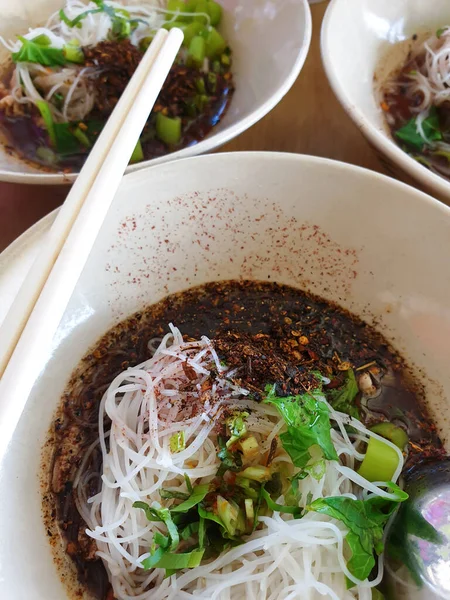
(258, 504)
(66, 141)
(249, 487)
(440, 31)
(256, 473)
(190, 530)
(201, 532)
(82, 137)
(198, 495)
(188, 483)
(343, 398)
(170, 495)
(274, 485)
(231, 461)
(47, 116)
(77, 21)
(209, 515)
(237, 427)
(173, 561)
(163, 515)
(292, 510)
(228, 512)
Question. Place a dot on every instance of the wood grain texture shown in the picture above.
(309, 120)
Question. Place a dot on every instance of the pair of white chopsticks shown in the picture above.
(27, 333)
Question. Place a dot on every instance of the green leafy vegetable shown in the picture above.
(198, 494)
(292, 510)
(121, 28)
(46, 114)
(38, 50)
(171, 494)
(163, 515)
(173, 561)
(440, 31)
(66, 141)
(248, 486)
(122, 25)
(317, 469)
(228, 512)
(66, 138)
(365, 520)
(343, 398)
(201, 532)
(190, 530)
(209, 515)
(188, 483)
(177, 442)
(308, 424)
(77, 21)
(80, 135)
(257, 509)
(274, 486)
(431, 128)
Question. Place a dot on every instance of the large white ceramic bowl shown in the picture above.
(374, 245)
(270, 41)
(357, 40)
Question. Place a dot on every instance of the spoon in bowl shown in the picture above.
(418, 543)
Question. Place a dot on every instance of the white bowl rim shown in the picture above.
(38, 229)
(211, 142)
(380, 140)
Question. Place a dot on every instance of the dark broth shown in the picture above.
(398, 107)
(26, 136)
(249, 320)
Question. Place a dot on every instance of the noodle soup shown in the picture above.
(416, 102)
(226, 441)
(68, 75)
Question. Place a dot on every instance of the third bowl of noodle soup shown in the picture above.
(388, 64)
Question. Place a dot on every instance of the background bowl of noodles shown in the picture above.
(363, 44)
(262, 72)
(264, 217)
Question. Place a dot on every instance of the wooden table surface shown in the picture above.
(309, 120)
